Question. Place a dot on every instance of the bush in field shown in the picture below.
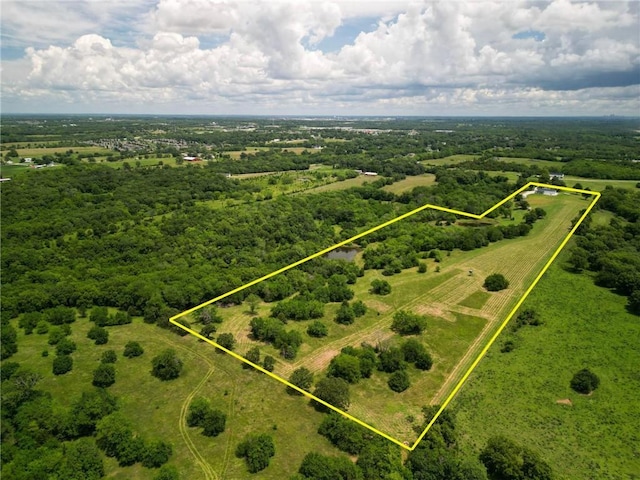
(268, 363)
(496, 282)
(301, 377)
(585, 381)
(132, 349)
(317, 329)
(99, 335)
(399, 381)
(62, 364)
(334, 391)
(345, 366)
(253, 355)
(407, 323)
(359, 308)
(214, 423)
(104, 376)
(109, 357)
(167, 365)
(65, 347)
(198, 409)
(380, 287)
(345, 315)
(257, 451)
(226, 340)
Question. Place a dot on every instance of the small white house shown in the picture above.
(559, 176)
(547, 191)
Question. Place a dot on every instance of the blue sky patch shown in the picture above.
(345, 34)
(537, 35)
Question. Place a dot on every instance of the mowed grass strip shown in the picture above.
(410, 183)
(350, 182)
(476, 300)
(594, 437)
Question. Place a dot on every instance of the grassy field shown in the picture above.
(599, 184)
(350, 182)
(410, 183)
(251, 400)
(462, 316)
(516, 394)
(235, 154)
(450, 160)
(39, 152)
(549, 164)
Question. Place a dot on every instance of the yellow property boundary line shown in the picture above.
(174, 319)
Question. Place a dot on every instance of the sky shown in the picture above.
(313, 57)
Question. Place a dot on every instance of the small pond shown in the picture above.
(343, 253)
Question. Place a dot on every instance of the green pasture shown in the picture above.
(517, 393)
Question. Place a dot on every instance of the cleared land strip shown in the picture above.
(518, 259)
(497, 306)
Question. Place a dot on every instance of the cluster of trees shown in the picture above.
(273, 331)
(354, 364)
(115, 436)
(253, 355)
(437, 456)
(202, 414)
(613, 250)
(42, 440)
(505, 459)
(408, 323)
(525, 317)
(257, 451)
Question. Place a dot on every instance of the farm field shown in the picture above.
(350, 182)
(235, 154)
(410, 183)
(588, 437)
(456, 331)
(549, 164)
(39, 152)
(450, 160)
(599, 184)
(156, 409)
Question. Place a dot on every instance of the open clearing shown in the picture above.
(350, 182)
(410, 183)
(598, 184)
(462, 318)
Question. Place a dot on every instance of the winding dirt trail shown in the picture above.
(207, 469)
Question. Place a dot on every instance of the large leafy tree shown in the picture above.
(334, 391)
(257, 451)
(166, 365)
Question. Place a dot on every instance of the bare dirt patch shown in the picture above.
(564, 401)
(377, 305)
(435, 310)
(322, 360)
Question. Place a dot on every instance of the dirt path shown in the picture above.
(209, 473)
(207, 469)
